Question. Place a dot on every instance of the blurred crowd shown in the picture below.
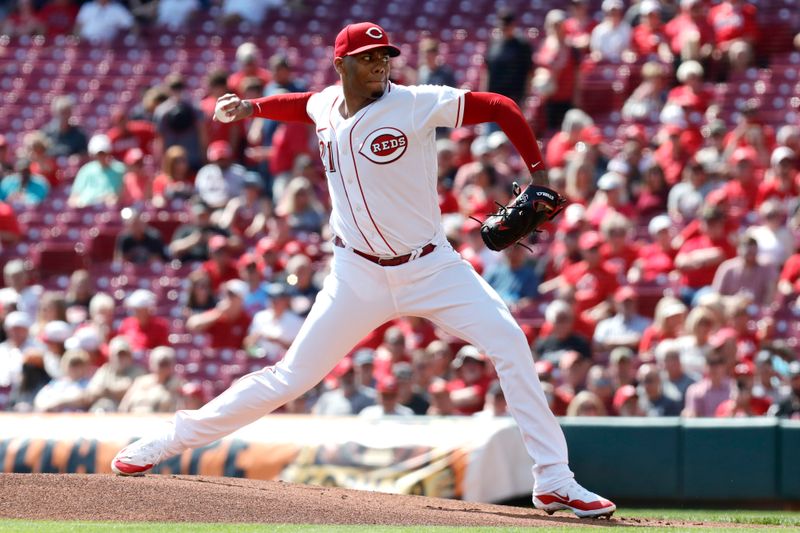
(668, 287)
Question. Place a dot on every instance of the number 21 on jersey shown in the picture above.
(326, 154)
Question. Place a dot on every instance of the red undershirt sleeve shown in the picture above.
(482, 107)
(286, 107)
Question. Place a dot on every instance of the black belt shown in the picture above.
(386, 261)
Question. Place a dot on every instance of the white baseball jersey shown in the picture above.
(381, 165)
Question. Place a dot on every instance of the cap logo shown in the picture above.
(375, 32)
(384, 145)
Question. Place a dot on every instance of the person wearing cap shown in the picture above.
(158, 391)
(563, 142)
(388, 403)
(743, 402)
(23, 187)
(251, 271)
(227, 324)
(143, 329)
(65, 136)
(190, 240)
(561, 316)
(138, 243)
(18, 293)
(626, 401)
(408, 390)
(686, 198)
(221, 266)
(789, 405)
(648, 37)
(692, 93)
(364, 365)
(67, 393)
(348, 398)
(611, 197)
(656, 259)
(781, 179)
(556, 75)
(668, 319)
(655, 397)
(98, 182)
(54, 338)
(593, 282)
(741, 189)
(89, 340)
(178, 122)
(700, 256)
(612, 36)
(111, 381)
(508, 60)
(221, 179)
(274, 329)
(248, 59)
(747, 275)
(390, 256)
(626, 327)
(17, 327)
(137, 183)
(391, 351)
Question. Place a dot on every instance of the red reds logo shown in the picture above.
(384, 145)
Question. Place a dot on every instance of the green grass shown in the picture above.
(764, 518)
(739, 519)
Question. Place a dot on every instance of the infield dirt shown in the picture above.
(208, 499)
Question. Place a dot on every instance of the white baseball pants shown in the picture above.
(359, 296)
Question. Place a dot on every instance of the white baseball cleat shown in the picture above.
(139, 457)
(573, 497)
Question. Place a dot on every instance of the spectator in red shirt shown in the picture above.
(781, 180)
(249, 59)
(221, 267)
(690, 35)
(565, 140)
(648, 36)
(23, 20)
(232, 132)
(143, 329)
(418, 332)
(618, 252)
(137, 183)
(557, 69)
(789, 282)
(667, 324)
(671, 155)
(10, 232)
(58, 17)
(699, 257)
(656, 259)
(742, 402)
(741, 189)
(691, 94)
(653, 193)
(580, 24)
(127, 134)
(751, 132)
(468, 390)
(594, 283)
(733, 20)
(610, 198)
(227, 324)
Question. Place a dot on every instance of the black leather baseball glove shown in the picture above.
(535, 206)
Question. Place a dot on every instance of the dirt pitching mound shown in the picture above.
(208, 499)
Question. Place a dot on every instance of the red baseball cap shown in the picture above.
(219, 150)
(387, 385)
(344, 366)
(626, 292)
(623, 394)
(360, 37)
(590, 239)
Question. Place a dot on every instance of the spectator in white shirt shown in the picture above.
(176, 13)
(612, 36)
(17, 292)
(626, 327)
(17, 326)
(387, 401)
(273, 329)
(102, 20)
